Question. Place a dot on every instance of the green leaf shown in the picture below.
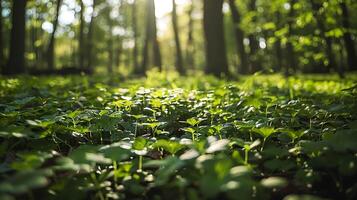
(168, 145)
(115, 152)
(25, 181)
(216, 146)
(193, 121)
(140, 143)
(274, 182)
(167, 168)
(265, 132)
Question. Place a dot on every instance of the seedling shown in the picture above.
(265, 132)
(194, 122)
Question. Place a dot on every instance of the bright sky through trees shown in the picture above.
(67, 16)
(165, 6)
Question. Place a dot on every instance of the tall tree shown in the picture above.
(347, 37)
(16, 64)
(118, 52)
(1, 39)
(36, 34)
(216, 57)
(151, 38)
(135, 36)
(239, 36)
(179, 61)
(110, 52)
(316, 6)
(51, 45)
(253, 41)
(110, 41)
(290, 57)
(190, 62)
(123, 9)
(81, 44)
(277, 45)
(90, 37)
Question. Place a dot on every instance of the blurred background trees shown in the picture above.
(217, 37)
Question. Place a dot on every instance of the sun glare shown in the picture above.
(162, 7)
(165, 6)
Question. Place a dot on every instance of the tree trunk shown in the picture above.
(341, 68)
(90, 38)
(239, 36)
(157, 53)
(216, 56)
(110, 55)
(118, 53)
(151, 37)
(1, 39)
(37, 32)
(81, 36)
(328, 41)
(253, 43)
(135, 32)
(16, 64)
(110, 44)
(145, 60)
(291, 60)
(277, 45)
(347, 37)
(50, 49)
(190, 62)
(179, 62)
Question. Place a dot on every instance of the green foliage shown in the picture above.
(263, 137)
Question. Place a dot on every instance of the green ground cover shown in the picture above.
(261, 137)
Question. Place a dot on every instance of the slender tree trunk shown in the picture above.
(118, 53)
(110, 56)
(291, 59)
(145, 59)
(81, 36)
(179, 61)
(253, 43)
(33, 38)
(341, 68)
(135, 32)
(16, 64)
(1, 39)
(216, 56)
(239, 36)
(90, 38)
(148, 37)
(277, 45)
(37, 33)
(110, 45)
(328, 40)
(347, 37)
(279, 55)
(157, 52)
(50, 49)
(190, 62)
(151, 37)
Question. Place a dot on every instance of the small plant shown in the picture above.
(193, 122)
(265, 132)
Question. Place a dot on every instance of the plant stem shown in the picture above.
(115, 167)
(263, 144)
(140, 167)
(246, 156)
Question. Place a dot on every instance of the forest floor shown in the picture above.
(262, 137)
